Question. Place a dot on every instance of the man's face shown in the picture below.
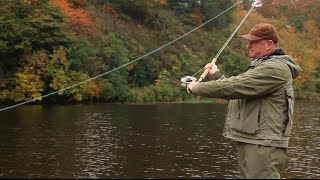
(259, 48)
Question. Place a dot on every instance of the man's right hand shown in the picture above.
(213, 68)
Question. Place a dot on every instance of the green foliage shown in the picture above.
(211, 8)
(187, 10)
(29, 27)
(80, 53)
(87, 91)
(193, 12)
(62, 77)
(58, 70)
(164, 90)
(157, 21)
(297, 21)
(114, 54)
(138, 10)
(189, 63)
(41, 52)
(145, 73)
(116, 89)
(233, 64)
(167, 90)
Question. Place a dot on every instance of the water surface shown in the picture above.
(138, 141)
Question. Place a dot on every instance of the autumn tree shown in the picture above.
(27, 27)
(79, 19)
(61, 77)
(31, 76)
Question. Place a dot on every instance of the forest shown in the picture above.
(49, 45)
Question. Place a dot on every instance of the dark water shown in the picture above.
(138, 141)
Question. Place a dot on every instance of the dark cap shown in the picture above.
(262, 31)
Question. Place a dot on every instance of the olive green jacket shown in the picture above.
(261, 100)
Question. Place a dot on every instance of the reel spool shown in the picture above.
(187, 79)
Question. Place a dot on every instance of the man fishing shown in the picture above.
(260, 109)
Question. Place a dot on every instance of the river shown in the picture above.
(138, 141)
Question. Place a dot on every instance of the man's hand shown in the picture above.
(190, 87)
(213, 68)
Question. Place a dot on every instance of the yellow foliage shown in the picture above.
(28, 86)
(312, 33)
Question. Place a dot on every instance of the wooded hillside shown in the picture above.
(49, 45)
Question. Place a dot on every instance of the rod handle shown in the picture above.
(206, 71)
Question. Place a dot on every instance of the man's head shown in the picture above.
(262, 31)
(262, 40)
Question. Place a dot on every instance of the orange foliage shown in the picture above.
(198, 17)
(79, 18)
(109, 10)
(163, 1)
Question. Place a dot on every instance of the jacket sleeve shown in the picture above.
(262, 80)
(217, 75)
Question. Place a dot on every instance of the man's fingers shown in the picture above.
(189, 90)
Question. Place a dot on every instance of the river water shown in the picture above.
(138, 141)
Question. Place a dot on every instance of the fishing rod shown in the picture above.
(188, 79)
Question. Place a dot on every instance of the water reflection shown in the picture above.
(304, 150)
(138, 141)
(94, 145)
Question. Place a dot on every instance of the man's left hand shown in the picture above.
(190, 87)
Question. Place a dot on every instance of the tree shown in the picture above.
(31, 76)
(28, 26)
(61, 77)
(114, 54)
(79, 19)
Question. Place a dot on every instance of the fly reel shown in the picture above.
(187, 79)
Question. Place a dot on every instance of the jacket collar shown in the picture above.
(276, 52)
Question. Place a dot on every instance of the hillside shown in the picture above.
(125, 51)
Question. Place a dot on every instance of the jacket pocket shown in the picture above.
(290, 106)
(246, 118)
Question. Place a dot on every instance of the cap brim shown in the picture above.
(251, 37)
